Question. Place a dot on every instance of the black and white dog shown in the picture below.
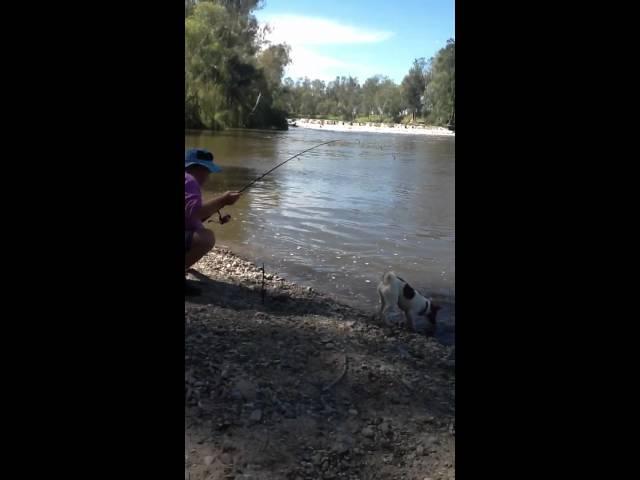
(401, 303)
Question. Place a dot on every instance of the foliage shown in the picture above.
(230, 81)
(234, 78)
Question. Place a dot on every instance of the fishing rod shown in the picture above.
(282, 163)
(227, 217)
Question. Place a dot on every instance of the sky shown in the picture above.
(360, 38)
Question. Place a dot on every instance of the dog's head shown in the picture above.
(432, 312)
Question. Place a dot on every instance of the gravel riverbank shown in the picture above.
(302, 387)
(340, 126)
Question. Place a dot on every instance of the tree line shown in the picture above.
(234, 78)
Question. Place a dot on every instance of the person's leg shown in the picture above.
(202, 242)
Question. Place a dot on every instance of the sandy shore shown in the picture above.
(302, 387)
(338, 126)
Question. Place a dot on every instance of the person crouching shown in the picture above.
(198, 240)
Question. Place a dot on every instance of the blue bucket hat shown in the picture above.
(199, 156)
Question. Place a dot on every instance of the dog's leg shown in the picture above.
(381, 303)
(406, 323)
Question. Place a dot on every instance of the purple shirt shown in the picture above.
(192, 203)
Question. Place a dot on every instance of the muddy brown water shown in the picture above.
(339, 216)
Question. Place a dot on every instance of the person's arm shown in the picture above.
(212, 206)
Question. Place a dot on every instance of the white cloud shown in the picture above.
(307, 63)
(303, 33)
(301, 30)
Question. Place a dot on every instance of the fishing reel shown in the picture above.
(223, 219)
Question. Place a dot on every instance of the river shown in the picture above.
(339, 216)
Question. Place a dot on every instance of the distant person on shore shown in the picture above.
(198, 240)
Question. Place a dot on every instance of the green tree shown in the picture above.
(234, 77)
(227, 81)
(388, 100)
(370, 96)
(440, 92)
(413, 86)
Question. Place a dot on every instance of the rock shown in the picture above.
(385, 427)
(368, 432)
(256, 415)
(329, 345)
(245, 388)
(433, 441)
(341, 447)
(208, 460)
(353, 411)
(288, 411)
(420, 450)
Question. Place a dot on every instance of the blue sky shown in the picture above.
(358, 37)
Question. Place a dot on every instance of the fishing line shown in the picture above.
(227, 217)
(282, 163)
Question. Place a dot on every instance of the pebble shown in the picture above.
(256, 415)
(433, 441)
(353, 411)
(341, 448)
(208, 460)
(245, 388)
(420, 451)
(368, 432)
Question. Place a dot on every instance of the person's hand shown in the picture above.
(231, 197)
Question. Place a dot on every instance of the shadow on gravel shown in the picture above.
(241, 297)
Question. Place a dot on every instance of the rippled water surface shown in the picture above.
(337, 217)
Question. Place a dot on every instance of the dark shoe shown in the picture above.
(190, 290)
